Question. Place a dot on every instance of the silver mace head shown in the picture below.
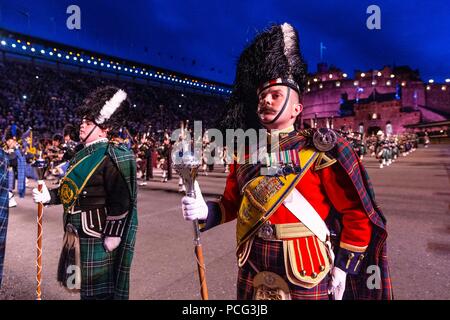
(40, 167)
(186, 164)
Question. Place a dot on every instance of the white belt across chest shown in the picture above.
(305, 212)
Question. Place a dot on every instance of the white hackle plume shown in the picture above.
(111, 106)
(289, 44)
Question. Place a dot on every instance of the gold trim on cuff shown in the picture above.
(353, 248)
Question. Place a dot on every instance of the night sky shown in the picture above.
(205, 38)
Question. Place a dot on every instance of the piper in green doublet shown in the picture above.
(98, 194)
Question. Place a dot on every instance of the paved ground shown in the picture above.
(414, 193)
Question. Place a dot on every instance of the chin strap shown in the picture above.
(282, 109)
(84, 140)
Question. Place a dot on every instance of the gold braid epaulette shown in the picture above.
(323, 160)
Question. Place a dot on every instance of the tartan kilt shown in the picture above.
(105, 275)
(269, 256)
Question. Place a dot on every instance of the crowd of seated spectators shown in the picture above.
(45, 98)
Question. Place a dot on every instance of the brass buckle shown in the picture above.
(267, 232)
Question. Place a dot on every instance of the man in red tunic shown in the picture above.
(287, 212)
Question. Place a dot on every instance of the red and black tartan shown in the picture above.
(268, 256)
(356, 286)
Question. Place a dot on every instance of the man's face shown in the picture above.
(271, 102)
(11, 143)
(86, 127)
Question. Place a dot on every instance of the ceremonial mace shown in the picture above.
(40, 167)
(186, 164)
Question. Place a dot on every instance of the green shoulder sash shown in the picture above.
(79, 174)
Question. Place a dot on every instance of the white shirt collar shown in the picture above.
(96, 141)
(285, 130)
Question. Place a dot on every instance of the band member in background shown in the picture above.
(164, 153)
(67, 150)
(98, 194)
(16, 163)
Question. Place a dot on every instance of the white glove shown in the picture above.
(41, 196)
(111, 243)
(194, 208)
(336, 287)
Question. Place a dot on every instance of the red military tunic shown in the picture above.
(327, 187)
(323, 188)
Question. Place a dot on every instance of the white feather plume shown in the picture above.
(111, 106)
(288, 38)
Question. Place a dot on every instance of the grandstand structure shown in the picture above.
(15, 46)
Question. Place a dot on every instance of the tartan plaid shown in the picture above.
(376, 254)
(268, 256)
(4, 210)
(11, 179)
(21, 168)
(107, 275)
(97, 268)
(21, 164)
(126, 162)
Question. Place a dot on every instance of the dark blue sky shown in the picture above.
(204, 38)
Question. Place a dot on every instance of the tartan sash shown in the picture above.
(78, 175)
